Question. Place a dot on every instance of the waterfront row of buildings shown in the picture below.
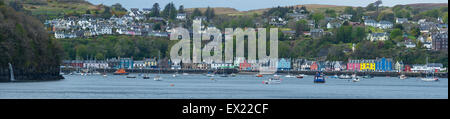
(283, 64)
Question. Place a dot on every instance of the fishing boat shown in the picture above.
(319, 78)
(121, 72)
(274, 80)
(345, 77)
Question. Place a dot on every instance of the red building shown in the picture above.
(314, 66)
(245, 65)
(407, 68)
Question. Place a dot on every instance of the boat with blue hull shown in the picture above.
(319, 78)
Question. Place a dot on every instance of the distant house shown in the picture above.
(126, 63)
(431, 67)
(334, 24)
(381, 24)
(401, 20)
(201, 18)
(370, 22)
(378, 36)
(353, 65)
(384, 64)
(245, 66)
(440, 41)
(316, 33)
(368, 65)
(277, 21)
(284, 64)
(385, 24)
(181, 16)
(346, 16)
(314, 66)
(399, 66)
(146, 10)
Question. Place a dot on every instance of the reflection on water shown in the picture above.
(239, 87)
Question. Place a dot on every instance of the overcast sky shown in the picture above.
(244, 5)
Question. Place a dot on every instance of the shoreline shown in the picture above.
(236, 71)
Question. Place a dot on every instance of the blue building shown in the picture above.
(284, 64)
(384, 64)
(126, 63)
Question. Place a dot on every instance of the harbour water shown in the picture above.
(198, 86)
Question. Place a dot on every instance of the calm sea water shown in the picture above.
(241, 87)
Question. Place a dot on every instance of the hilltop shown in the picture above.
(25, 44)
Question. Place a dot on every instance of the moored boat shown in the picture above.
(403, 77)
(121, 72)
(274, 80)
(319, 78)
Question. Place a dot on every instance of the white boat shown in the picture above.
(289, 76)
(210, 75)
(403, 77)
(356, 80)
(345, 77)
(185, 74)
(174, 75)
(430, 79)
(274, 80)
(157, 78)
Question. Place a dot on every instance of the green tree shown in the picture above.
(396, 33)
(169, 12)
(330, 13)
(196, 13)
(181, 9)
(155, 12)
(317, 17)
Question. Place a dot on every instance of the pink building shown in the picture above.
(353, 65)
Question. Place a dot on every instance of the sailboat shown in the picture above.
(429, 78)
(158, 77)
(11, 73)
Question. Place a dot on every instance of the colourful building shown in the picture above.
(314, 67)
(353, 65)
(284, 64)
(245, 65)
(126, 63)
(367, 65)
(384, 64)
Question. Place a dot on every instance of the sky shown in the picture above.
(245, 5)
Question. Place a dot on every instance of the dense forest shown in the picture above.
(25, 44)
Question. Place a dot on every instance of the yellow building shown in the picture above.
(368, 66)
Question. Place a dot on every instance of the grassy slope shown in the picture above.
(55, 7)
